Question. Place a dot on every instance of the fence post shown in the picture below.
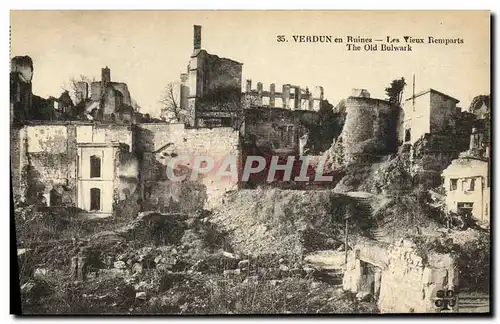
(79, 267)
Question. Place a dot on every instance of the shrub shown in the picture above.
(474, 260)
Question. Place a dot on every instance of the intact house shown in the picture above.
(467, 187)
(467, 181)
(428, 112)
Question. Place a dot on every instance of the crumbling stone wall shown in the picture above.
(277, 130)
(127, 191)
(158, 143)
(47, 157)
(106, 133)
(50, 151)
(46, 153)
(21, 96)
(221, 74)
(409, 277)
(213, 84)
(411, 281)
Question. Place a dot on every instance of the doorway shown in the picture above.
(95, 199)
(465, 208)
(371, 276)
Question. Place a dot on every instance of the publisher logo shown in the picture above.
(445, 299)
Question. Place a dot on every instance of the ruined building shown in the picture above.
(21, 96)
(108, 101)
(211, 91)
(370, 126)
(105, 101)
(104, 160)
(24, 105)
(291, 97)
(105, 168)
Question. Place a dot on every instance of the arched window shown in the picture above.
(95, 166)
(95, 199)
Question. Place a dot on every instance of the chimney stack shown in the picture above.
(106, 75)
(197, 37)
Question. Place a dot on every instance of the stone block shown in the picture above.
(119, 265)
(244, 264)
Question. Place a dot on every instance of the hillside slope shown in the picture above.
(283, 221)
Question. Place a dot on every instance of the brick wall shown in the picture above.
(50, 150)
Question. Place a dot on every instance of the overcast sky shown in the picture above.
(147, 49)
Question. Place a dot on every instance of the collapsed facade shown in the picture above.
(104, 168)
(211, 91)
(108, 101)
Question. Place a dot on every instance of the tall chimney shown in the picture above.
(105, 75)
(197, 37)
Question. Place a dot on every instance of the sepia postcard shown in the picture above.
(250, 162)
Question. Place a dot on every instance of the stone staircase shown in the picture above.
(333, 277)
(364, 213)
(328, 266)
(469, 303)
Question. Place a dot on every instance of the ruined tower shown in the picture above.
(208, 81)
(21, 95)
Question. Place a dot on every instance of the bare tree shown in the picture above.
(171, 110)
(72, 85)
